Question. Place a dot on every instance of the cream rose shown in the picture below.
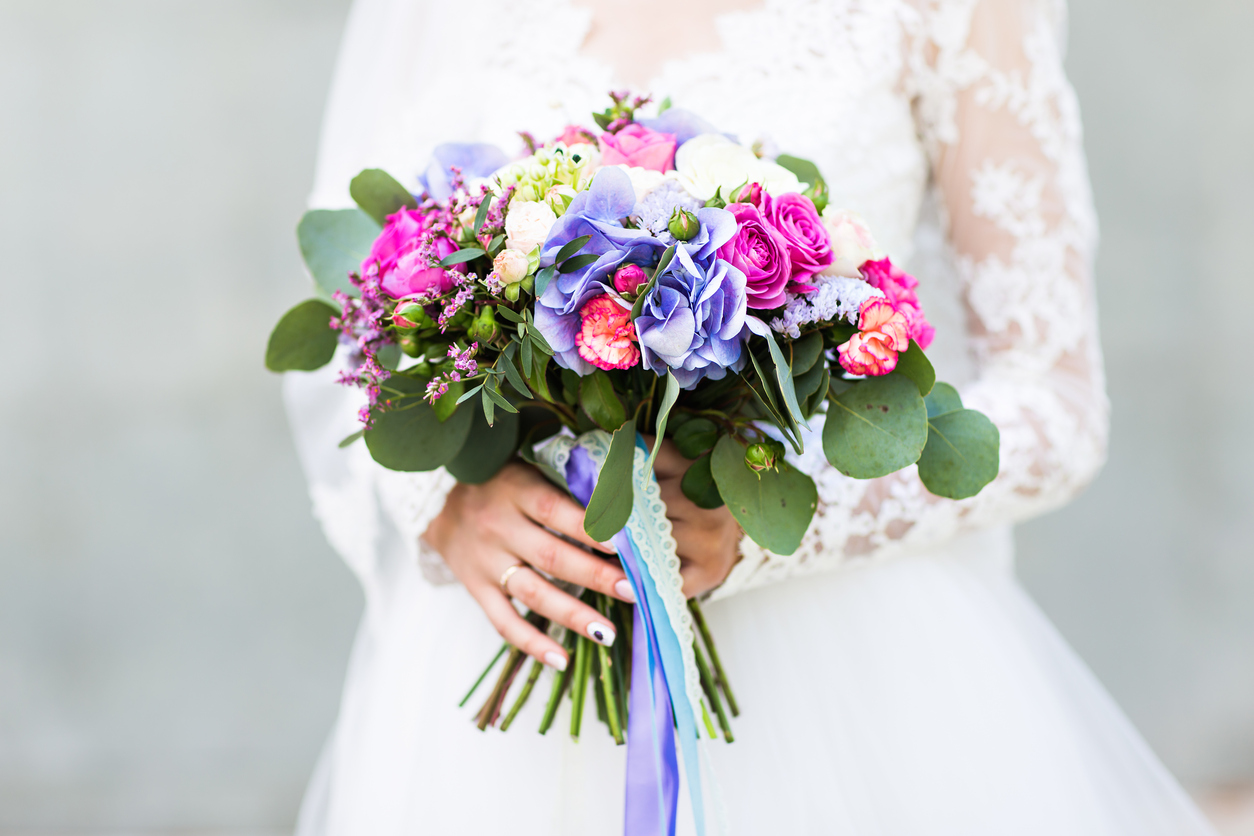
(710, 162)
(511, 265)
(643, 180)
(527, 225)
(852, 242)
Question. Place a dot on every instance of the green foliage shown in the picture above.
(804, 352)
(809, 383)
(773, 507)
(487, 448)
(610, 504)
(669, 396)
(600, 403)
(806, 171)
(695, 437)
(303, 339)
(698, 484)
(461, 256)
(379, 195)
(783, 377)
(409, 436)
(812, 404)
(570, 248)
(334, 243)
(913, 363)
(875, 427)
(447, 405)
(962, 454)
(943, 398)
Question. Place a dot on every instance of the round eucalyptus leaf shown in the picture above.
(774, 507)
(695, 437)
(962, 454)
(303, 339)
(943, 398)
(913, 363)
(409, 436)
(875, 427)
(334, 243)
(698, 484)
(379, 194)
(487, 448)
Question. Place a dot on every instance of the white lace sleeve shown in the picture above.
(1001, 127)
(354, 496)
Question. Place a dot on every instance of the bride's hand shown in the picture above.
(485, 529)
(707, 540)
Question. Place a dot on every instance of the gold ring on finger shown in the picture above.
(506, 575)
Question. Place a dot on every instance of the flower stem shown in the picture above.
(579, 685)
(560, 684)
(607, 684)
(498, 691)
(711, 693)
(719, 674)
(536, 667)
(484, 675)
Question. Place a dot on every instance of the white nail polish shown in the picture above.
(601, 633)
(623, 588)
(555, 660)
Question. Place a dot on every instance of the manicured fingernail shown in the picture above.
(610, 547)
(623, 588)
(555, 660)
(601, 633)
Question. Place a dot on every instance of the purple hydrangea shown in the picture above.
(472, 159)
(693, 321)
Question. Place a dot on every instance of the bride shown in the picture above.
(893, 676)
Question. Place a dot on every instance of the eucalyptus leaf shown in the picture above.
(812, 405)
(349, 439)
(515, 379)
(447, 403)
(599, 401)
(468, 394)
(334, 243)
(497, 398)
(698, 484)
(539, 376)
(774, 507)
(875, 427)
(302, 340)
(807, 384)
(943, 398)
(481, 216)
(695, 437)
(609, 507)
(804, 352)
(806, 171)
(669, 396)
(913, 363)
(783, 375)
(409, 436)
(379, 194)
(962, 454)
(505, 312)
(461, 256)
(487, 449)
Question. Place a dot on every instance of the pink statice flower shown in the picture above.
(606, 336)
(638, 146)
(898, 286)
(464, 359)
(883, 333)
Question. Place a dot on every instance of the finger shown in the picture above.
(516, 630)
(556, 605)
(551, 508)
(560, 559)
(670, 462)
(678, 506)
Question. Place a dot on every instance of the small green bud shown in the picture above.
(483, 329)
(511, 291)
(717, 201)
(759, 457)
(683, 224)
(411, 345)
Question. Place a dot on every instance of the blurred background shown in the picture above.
(174, 629)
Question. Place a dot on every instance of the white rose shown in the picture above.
(852, 242)
(527, 224)
(511, 266)
(710, 162)
(643, 180)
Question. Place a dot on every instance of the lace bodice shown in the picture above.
(948, 124)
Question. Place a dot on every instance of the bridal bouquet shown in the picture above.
(653, 278)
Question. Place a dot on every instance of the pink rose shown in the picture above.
(796, 219)
(402, 272)
(629, 277)
(761, 253)
(575, 135)
(414, 274)
(883, 334)
(400, 232)
(638, 146)
(606, 336)
(898, 287)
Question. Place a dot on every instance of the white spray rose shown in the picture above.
(527, 224)
(852, 242)
(511, 266)
(710, 162)
(643, 180)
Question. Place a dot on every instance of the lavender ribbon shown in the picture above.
(652, 766)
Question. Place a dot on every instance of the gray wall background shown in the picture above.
(173, 629)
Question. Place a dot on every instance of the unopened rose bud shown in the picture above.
(483, 329)
(818, 194)
(411, 345)
(558, 199)
(717, 201)
(629, 277)
(760, 457)
(410, 315)
(748, 193)
(511, 266)
(683, 224)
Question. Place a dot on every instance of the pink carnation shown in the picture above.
(883, 333)
(636, 145)
(898, 287)
(607, 337)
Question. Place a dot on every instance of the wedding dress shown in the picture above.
(893, 677)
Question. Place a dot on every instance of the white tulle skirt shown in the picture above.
(912, 696)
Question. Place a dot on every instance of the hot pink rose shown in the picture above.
(400, 233)
(636, 145)
(761, 253)
(796, 219)
(898, 287)
(883, 334)
(607, 337)
(402, 272)
(629, 277)
(414, 274)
